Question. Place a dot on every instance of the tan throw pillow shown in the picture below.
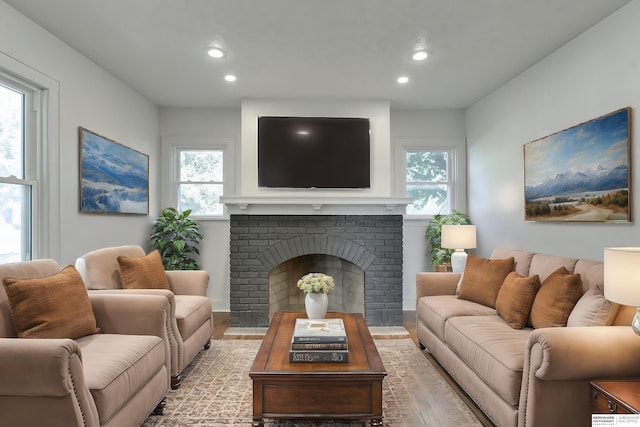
(145, 272)
(482, 279)
(56, 306)
(516, 297)
(592, 309)
(556, 298)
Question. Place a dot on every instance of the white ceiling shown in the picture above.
(318, 49)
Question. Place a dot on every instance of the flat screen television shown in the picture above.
(313, 152)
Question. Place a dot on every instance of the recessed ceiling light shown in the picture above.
(403, 79)
(420, 55)
(215, 52)
(230, 78)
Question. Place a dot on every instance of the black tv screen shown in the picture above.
(313, 152)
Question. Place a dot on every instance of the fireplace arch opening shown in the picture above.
(348, 295)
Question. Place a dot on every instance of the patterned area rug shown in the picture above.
(216, 391)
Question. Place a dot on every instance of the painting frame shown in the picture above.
(582, 173)
(114, 178)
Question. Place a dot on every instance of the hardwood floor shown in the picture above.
(221, 323)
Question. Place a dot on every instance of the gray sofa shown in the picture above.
(113, 378)
(525, 377)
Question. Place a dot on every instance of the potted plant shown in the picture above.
(441, 257)
(176, 237)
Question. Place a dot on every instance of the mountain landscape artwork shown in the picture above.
(113, 178)
(581, 173)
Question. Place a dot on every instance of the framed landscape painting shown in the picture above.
(581, 174)
(113, 178)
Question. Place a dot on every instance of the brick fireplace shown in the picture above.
(270, 252)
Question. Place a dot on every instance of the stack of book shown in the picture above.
(322, 341)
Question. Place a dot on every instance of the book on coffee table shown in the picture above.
(322, 356)
(319, 346)
(319, 331)
(323, 341)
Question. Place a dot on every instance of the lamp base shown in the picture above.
(635, 324)
(459, 260)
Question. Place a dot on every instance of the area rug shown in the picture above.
(216, 391)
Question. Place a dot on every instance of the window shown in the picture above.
(17, 172)
(200, 181)
(428, 181)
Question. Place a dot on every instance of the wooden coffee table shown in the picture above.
(317, 390)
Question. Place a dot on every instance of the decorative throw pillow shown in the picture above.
(146, 272)
(482, 279)
(556, 298)
(516, 297)
(592, 309)
(56, 306)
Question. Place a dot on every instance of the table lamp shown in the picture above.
(622, 279)
(458, 237)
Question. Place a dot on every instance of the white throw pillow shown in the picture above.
(592, 309)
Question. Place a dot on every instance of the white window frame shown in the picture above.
(456, 161)
(41, 156)
(171, 148)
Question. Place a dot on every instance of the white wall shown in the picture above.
(92, 98)
(594, 74)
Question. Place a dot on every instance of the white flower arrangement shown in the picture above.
(316, 283)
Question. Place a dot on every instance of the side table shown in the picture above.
(615, 397)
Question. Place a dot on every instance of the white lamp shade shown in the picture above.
(458, 236)
(622, 275)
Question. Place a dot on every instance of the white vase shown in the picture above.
(316, 305)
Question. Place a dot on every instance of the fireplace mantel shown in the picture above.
(309, 205)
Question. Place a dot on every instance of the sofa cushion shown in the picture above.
(516, 297)
(55, 306)
(191, 312)
(118, 366)
(521, 259)
(482, 279)
(544, 265)
(591, 273)
(556, 298)
(592, 309)
(434, 311)
(492, 349)
(146, 272)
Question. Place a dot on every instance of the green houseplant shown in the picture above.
(439, 255)
(176, 237)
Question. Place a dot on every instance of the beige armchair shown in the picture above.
(113, 378)
(191, 321)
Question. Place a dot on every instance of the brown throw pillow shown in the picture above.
(516, 297)
(145, 272)
(56, 306)
(483, 278)
(556, 298)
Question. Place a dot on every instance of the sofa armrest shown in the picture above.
(188, 282)
(560, 362)
(36, 367)
(431, 283)
(584, 353)
(35, 370)
(131, 313)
